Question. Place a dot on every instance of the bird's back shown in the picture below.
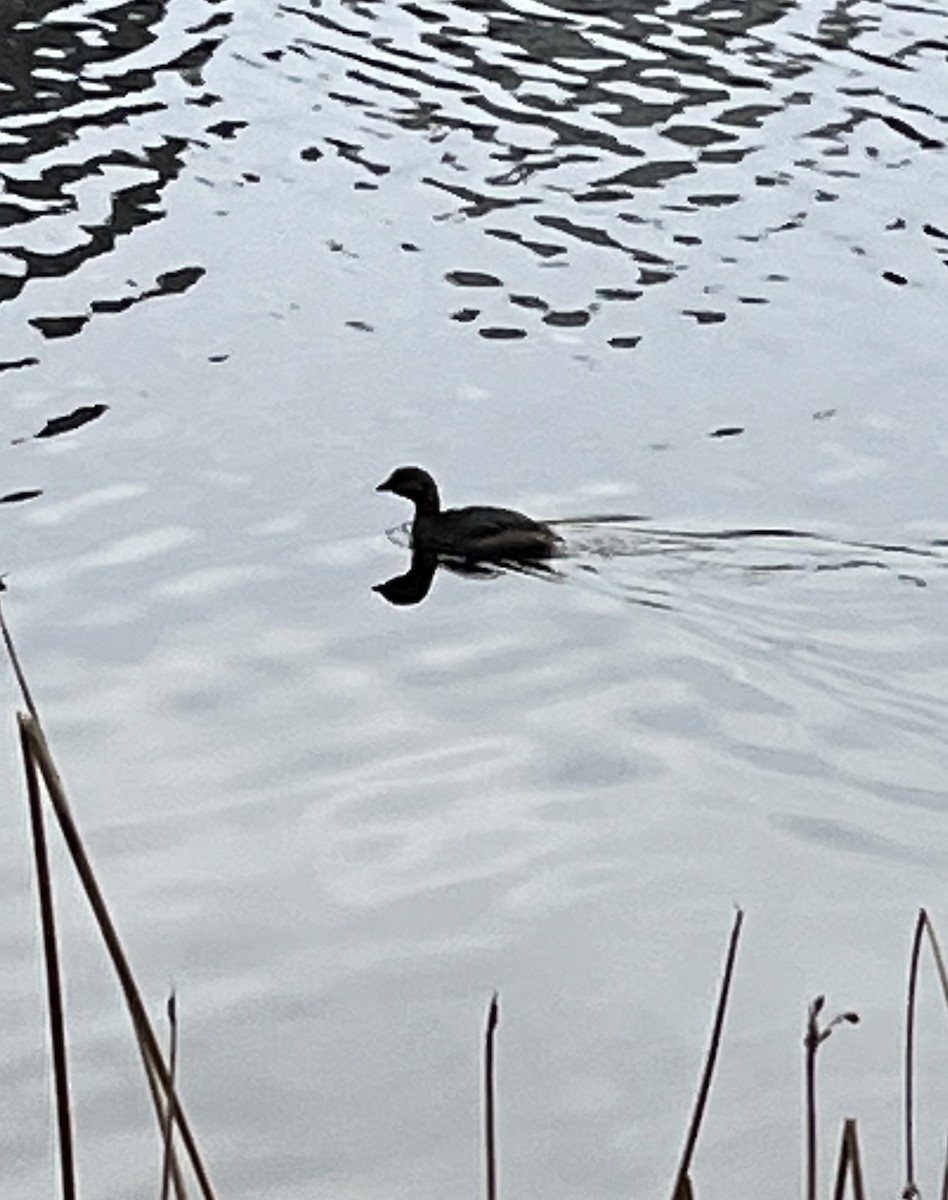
(484, 532)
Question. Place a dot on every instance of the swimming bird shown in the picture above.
(477, 534)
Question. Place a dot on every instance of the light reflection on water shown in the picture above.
(682, 262)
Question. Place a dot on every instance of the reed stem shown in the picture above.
(54, 990)
(682, 1177)
(490, 1132)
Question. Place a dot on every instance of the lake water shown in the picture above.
(677, 265)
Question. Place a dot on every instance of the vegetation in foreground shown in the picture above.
(177, 1142)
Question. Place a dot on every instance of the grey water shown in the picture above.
(670, 274)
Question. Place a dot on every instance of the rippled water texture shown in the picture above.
(672, 276)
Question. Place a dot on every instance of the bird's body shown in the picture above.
(477, 534)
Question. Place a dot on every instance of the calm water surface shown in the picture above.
(679, 264)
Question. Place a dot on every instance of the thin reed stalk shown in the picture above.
(814, 1037)
(160, 1107)
(923, 928)
(682, 1186)
(168, 1130)
(54, 990)
(490, 1130)
(811, 1043)
(849, 1164)
(908, 1106)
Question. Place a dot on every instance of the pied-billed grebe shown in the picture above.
(478, 534)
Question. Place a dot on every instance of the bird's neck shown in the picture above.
(428, 504)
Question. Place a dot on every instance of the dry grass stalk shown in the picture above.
(849, 1165)
(683, 1187)
(54, 991)
(490, 1130)
(167, 1133)
(923, 928)
(908, 1099)
(815, 1036)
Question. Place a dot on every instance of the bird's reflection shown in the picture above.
(415, 584)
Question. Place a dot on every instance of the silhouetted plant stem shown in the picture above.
(910, 1188)
(923, 926)
(849, 1164)
(814, 1037)
(682, 1180)
(54, 993)
(490, 1132)
(168, 1130)
(811, 1042)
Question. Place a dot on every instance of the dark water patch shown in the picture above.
(574, 319)
(705, 316)
(168, 283)
(476, 204)
(750, 116)
(606, 293)
(715, 200)
(529, 302)
(697, 135)
(19, 363)
(227, 130)
(541, 249)
(352, 152)
(909, 131)
(19, 497)
(648, 278)
(625, 343)
(175, 282)
(59, 327)
(466, 315)
(500, 333)
(113, 306)
(473, 279)
(73, 420)
(216, 21)
(205, 100)
(727, 431)
(583, 233)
